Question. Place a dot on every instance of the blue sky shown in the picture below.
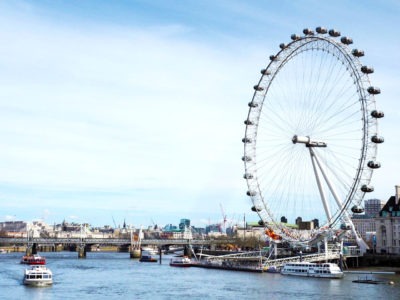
(134, 109)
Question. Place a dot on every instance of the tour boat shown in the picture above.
(147, 256)
(323, 270)
(38, 275)
(272, 269)
(180, 262)
(33, 260)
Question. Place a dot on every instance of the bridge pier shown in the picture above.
(187, 251)
(28, 251)
(134, 252)
(81, 251)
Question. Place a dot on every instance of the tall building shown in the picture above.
(373, 207)
(184, 223)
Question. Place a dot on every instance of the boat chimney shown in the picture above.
(397, 195)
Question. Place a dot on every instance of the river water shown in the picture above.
(109, 275)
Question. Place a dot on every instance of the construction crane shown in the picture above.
(223, 219)
(115, 225)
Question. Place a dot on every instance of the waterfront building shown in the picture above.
(388, 225)
(13, 228)
(365, 223)
(252, 230)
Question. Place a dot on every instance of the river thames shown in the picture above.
(109, 275)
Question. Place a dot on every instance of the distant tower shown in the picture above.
(397, 195)
(184, 223)
(298, 220)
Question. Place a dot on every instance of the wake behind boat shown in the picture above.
(38, 275)
(323, 270)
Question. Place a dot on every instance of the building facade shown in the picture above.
(388, 226)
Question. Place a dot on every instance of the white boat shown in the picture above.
(322, 270)
(148, 255)
(183, 261)
(38, 275)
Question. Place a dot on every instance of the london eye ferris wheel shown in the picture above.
(311, 137)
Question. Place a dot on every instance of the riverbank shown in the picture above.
(380, 260)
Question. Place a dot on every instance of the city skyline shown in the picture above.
(134, 111)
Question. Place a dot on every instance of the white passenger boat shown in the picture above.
(148, 255)
(38, 275)
(323, 270)
(181, 262)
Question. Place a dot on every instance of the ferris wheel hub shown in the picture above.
(307, 141)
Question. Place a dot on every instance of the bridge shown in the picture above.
(109, 241)
(84, 244)
(119, 242)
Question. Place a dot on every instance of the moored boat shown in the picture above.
(272, 269)
(306, 269)
(38, 275)
(183, 261)
(370, 280)
(33, 260)
(147, 256)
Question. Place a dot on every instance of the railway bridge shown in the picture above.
(85, 244)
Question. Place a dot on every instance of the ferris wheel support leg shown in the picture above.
(321, 191)
(360, 242)
(338, 201)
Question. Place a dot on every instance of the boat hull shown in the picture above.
(181, 265)
(148, 259)
(33, 260)
(38, 276)
(38, 283)
(182, 262)
(332, 276)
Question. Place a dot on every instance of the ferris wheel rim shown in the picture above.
(315, 42)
